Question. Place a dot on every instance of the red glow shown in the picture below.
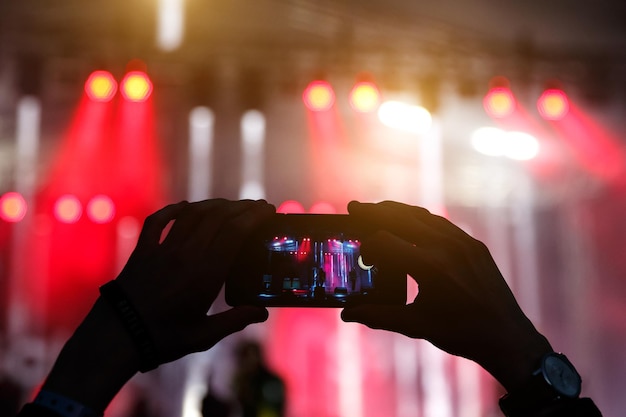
(136, 86)
(101, 209)
(290, 206)
(68, 209)
(597, 149)
(499, 102)
(319, 96)
(322, 207)
(365, 97)
(101, 86)
(106, 150)
(12, 207)
(553, 104)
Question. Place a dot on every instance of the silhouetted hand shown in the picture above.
(464, 306)
(174, 283)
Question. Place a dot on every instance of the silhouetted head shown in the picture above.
(249, 356)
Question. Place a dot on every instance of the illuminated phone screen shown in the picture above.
(308, 261)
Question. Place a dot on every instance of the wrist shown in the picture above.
(96, 361)
(517, 358)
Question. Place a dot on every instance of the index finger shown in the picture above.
(154, 224)
(398, 220)
(409, 222)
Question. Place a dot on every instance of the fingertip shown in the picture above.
(354, 206)
(353, 314)
(347, 315)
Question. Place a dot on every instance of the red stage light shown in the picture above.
(365, 97)
(100, 86)
(136, 86)
(553, 104)
(290, 206)
(68, 209)
(101, 209)
(319, 96)
(322, 207)
(12, 207)
(499, 102)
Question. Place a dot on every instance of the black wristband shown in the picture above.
(148, 355)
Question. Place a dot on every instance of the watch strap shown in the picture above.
(537, 394)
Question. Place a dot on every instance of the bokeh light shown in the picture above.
(319, 96)
(492, 141)
(365, 97)
(499, 102)
(521, 146)
(101, 86)
(405, 117)
(68, 209)
(136, 86)
(290, 206)
(489, 141)
(553, 104)
(101, 209)
(322, 207)
(12, 207)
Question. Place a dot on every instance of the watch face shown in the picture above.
(560, 373)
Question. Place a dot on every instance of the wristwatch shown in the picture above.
(555, 380)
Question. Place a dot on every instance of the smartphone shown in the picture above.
(311, 260)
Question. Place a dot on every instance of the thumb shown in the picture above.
(386, 317)
(220, 325)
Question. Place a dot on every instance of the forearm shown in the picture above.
(96, 361)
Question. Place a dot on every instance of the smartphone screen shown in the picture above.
(311, 261)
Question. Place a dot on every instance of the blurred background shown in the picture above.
(506, 117)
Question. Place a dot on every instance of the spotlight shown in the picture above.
(364, 97)
(12, 207)
(521, 146)
(497, 142)
(499, 102)
(489, 141)
(100, 86)
(290, 206)
(322, 207)
(101, 209)
(553, 104)
(405, 117)
(136, 86)
(68, 209)
(319, 96)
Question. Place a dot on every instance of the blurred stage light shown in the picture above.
(553, 104)
(497, 142)
(101, 209)
(406, 117)
(489, 141)
(521, 146)
(319, 96)
(12, 207)
(67, 209)
(364, 97)
(290, 206)
(136, 86)
(101, 86)
(322, 207)
(499, 102)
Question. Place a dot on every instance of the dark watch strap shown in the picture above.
(115, 296)
(538, 393)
